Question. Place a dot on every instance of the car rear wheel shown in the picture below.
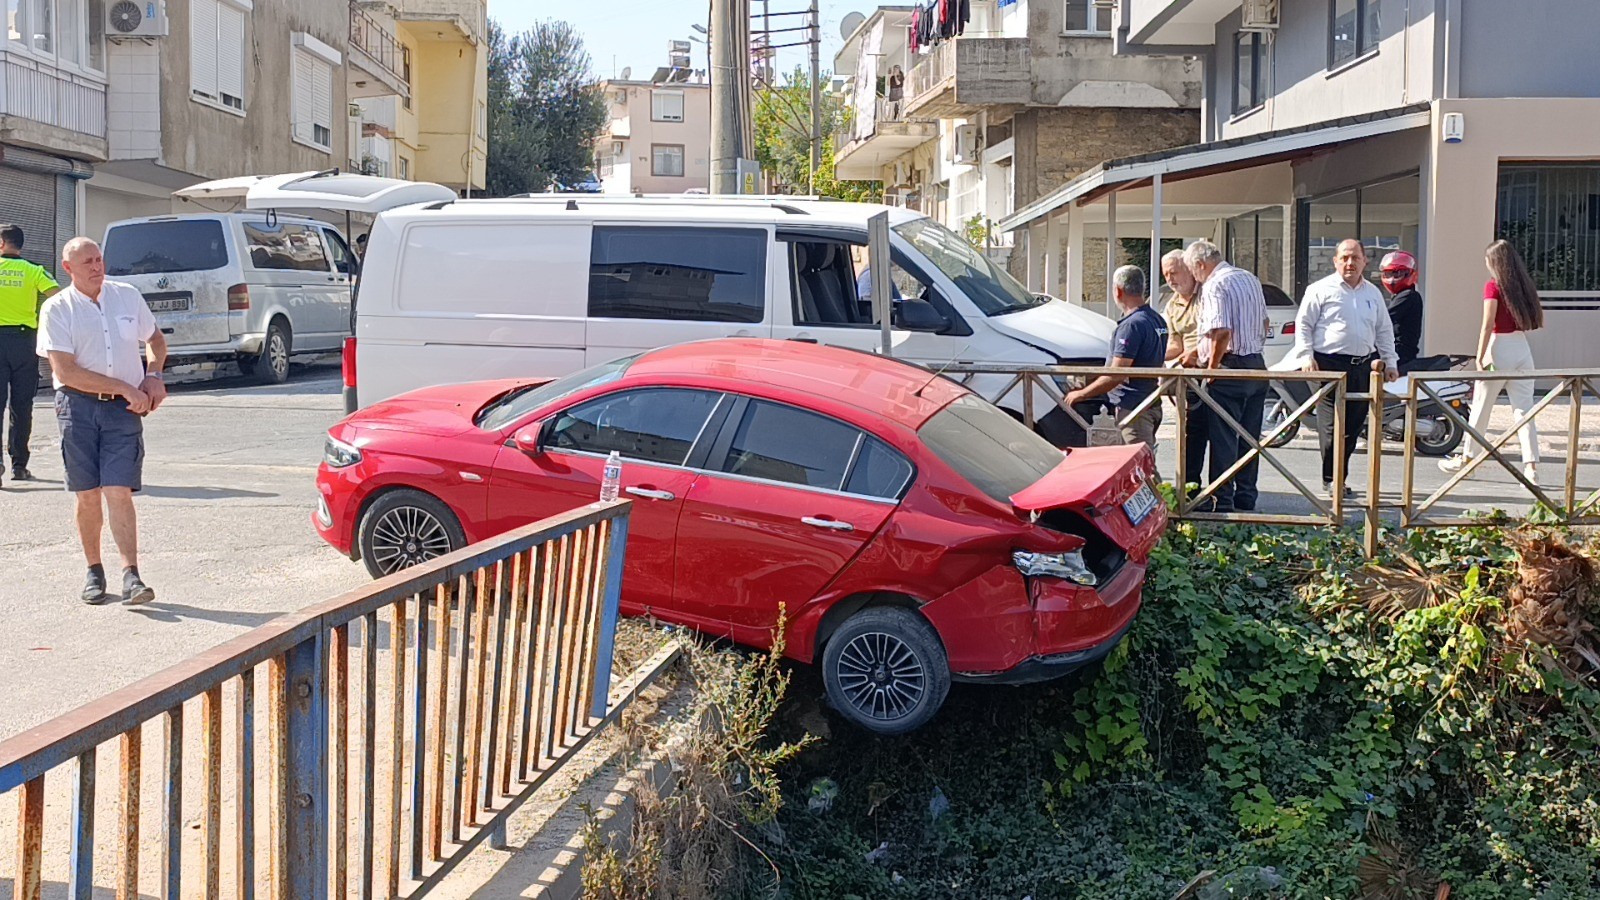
(271, 366)
(886, 670)
(403, 528)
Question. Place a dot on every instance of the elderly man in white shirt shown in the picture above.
(1343, 325)
(91, 333)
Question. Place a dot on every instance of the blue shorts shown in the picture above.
(102, 443)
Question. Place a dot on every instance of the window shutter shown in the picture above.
(203, 47)
(322, 97)
(230, 50)
(303, 64)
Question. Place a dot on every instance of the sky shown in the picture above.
(634, 33)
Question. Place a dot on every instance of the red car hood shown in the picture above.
(1096, 481)
(443, 411)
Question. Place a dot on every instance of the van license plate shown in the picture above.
(171, 304)
(1138, 506)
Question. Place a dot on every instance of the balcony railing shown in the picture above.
(371, 38)
(34, 90)
(932, 72)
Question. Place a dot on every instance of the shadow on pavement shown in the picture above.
(159, 611)
(201, 493)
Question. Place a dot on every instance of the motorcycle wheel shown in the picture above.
(1441, 440)
(1276, 412)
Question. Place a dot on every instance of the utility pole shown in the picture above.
(816, 98)
(730, 73)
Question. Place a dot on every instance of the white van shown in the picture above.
(462, 290)
(255, 287)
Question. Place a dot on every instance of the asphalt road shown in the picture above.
(225, 539)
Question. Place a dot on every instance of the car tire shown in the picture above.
(405, 527)
(1277, 410)
(271, 365)
(885, 669)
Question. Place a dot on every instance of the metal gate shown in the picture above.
(29, 199)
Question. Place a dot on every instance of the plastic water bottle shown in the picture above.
(611, 480)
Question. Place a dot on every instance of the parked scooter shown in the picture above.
(1437, 433)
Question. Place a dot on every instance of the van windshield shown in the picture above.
(148, 248)
(990, 287)
(524, 400)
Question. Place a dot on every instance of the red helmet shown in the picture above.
(1399, 271)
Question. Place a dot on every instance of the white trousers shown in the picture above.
(1508, 353)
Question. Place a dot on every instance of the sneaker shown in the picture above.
(1327, 490)
(1453, 464)
(21, 473)
(134, 590)
(94, 587)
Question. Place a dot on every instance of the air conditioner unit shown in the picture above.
(135, 19)
(1260, 15)
(964, 144)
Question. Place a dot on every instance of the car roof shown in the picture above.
(689, 210)
(248, 214)
(883, 388)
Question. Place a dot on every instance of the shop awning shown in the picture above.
(1198, 160)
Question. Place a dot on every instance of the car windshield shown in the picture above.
(523, 400)
(994, 292)
(995, 452)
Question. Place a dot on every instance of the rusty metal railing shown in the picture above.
(373, 740)
(377, 42)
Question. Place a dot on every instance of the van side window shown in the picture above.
(343, 259)
(693, 274)
(285, 246)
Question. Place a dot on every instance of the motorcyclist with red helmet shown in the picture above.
(1399, 275)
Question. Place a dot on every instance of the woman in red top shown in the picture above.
(1510, 310)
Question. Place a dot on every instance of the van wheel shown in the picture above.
(405, 527)
(271, 365)
(886, 670)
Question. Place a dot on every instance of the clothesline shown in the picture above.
(937, 21)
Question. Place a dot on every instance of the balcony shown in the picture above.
(964, 75)
(862, 150)
(1175, 23)
(449, 19)
(50, 109)
(379, 64)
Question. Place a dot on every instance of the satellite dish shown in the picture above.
(851, 22)
(627, 72)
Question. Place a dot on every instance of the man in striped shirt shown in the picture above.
(1232, 334)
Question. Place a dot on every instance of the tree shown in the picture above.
(783, 141)
(545, 109)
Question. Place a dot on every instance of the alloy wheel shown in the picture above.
(406, 536)
(881, 676)
(278, 355)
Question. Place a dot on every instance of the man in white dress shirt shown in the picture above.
(1343, 325)
(91, 333)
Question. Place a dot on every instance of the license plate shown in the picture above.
(1138, 506)
(176, 305)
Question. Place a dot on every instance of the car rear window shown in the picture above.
(995, 452)
(147, 248)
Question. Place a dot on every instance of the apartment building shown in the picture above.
(658, 137)
(973, 120)
(1433, 126)
(53, 77)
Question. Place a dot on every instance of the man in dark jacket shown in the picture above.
(1399, 274)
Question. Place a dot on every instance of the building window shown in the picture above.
(72, 32)
(216, 52)
(666, 106)
(314, 64)
(1355, 30)
(1551, 214)
(405, 169)
(666, 160)
(1249, 71)
(1088, 17)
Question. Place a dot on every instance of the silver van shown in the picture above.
(250, 286)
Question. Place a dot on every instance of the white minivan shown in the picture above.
(462, 290)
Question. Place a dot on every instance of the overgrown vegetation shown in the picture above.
(545, 111)
(1283, 721)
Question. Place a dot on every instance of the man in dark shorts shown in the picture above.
(91, 333)
(1140, 342)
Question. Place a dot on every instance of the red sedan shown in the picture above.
(913, 532)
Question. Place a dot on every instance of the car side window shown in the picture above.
(285, 246)
(775, 442)
(343, 259)
(879, 471)
(678, 274)
(656, 425)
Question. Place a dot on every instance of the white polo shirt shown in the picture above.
(105, 337)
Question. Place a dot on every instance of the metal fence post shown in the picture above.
(307, 835)
(615, 548)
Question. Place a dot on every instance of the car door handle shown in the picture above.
(650, 494)
(830, 524)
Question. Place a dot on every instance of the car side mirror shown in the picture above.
(530, 439)
(918, 315)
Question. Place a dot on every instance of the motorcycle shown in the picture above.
(1437, 433)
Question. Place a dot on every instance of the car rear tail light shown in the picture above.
(239, 298)
(1069, 566)
(1288, 328)
(347, 362)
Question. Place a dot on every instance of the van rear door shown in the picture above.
(183, 266)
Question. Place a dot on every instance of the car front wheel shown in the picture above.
(403, 528)
(886, 670)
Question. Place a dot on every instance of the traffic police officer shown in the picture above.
(23, 287)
